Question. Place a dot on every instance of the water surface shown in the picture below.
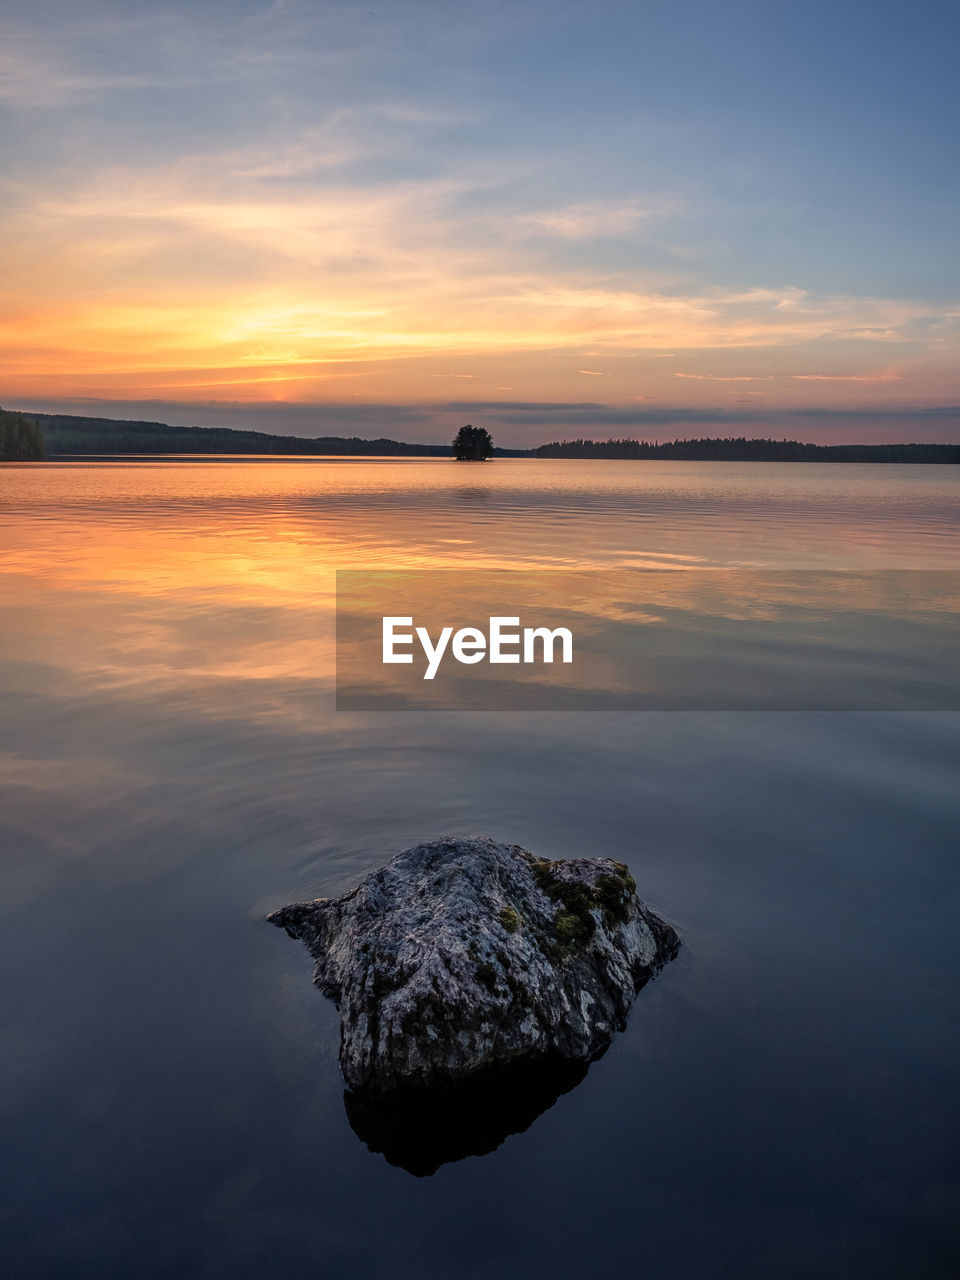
(784, 1099)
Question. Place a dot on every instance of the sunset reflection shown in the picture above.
(173, 574)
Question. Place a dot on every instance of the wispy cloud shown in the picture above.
(96, 50)
(81, 58)
(716, 377)
(598, 218)
(32, 77)
(311, 193)
(887, 376)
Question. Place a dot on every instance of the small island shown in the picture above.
(473, 444)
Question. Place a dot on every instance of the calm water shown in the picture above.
(784, 1100)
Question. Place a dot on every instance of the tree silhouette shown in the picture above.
(473, 444)
(20, 439)
(740, 449)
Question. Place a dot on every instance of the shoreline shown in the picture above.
(440, 457)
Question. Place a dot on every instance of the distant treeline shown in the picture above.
(740, 449)
(24, 435)
(20, 440)
(66, 434)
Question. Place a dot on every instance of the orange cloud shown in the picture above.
(204, 275)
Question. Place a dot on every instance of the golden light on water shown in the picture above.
(176, 573)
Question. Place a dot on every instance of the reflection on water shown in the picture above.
(420, 1132)
(656, 640)
(172, 768)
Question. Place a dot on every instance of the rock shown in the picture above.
(462, 957)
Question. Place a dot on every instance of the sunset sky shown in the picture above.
(551, 219)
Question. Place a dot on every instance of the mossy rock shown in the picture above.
(509, 920)
(575, 923)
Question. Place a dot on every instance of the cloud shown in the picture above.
(525, 406)
(32, 78)
(716, 377)
(922, 413)
(74, 59)
(596, 219)
(845, 377)
(218, 256)
(618, 414)
(341, 418)
(318, 225)
(789, 296)
(78, 59)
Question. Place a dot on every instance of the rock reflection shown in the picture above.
(420, 1131)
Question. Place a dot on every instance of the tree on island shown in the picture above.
(473, 444)
(20, 439)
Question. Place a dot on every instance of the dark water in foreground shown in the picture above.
(785, 1097)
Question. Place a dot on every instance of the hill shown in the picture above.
(66, 434)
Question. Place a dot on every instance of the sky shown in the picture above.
(652, 219)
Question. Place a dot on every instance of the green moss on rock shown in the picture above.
(613, 895)
(574, 924)
(509, 920)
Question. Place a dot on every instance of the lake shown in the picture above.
(784, 1100)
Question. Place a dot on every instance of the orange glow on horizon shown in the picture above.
(140, 290)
